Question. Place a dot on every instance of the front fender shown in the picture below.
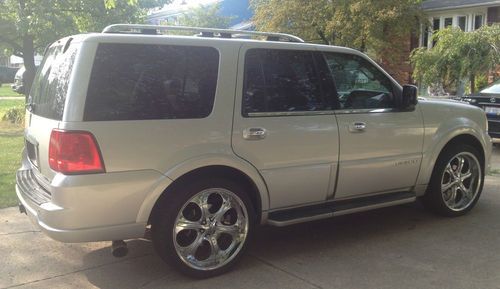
(440, 137)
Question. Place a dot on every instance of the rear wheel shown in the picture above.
(456, 182)
(203, 228)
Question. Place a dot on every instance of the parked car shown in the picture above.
(194, 141)
(7, 74)
(489, 100)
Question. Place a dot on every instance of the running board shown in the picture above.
(336, 208)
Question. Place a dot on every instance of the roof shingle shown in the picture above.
(452, 4)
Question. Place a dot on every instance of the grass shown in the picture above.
(5, 90)
(11, 145)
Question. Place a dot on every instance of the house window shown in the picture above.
(448, 22)
(478, 21)
(425, 36)
(436, 23)
(462, 22)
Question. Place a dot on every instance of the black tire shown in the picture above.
(167, 211)
(434, 199)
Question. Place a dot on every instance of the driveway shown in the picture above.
(398, 247)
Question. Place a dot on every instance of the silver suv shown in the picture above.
(195, 140)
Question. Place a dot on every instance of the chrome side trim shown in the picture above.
(289, 113)
(365, 110)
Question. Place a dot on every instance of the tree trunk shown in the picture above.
(29, 63)
(472, 84)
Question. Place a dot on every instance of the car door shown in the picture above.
(284, 122)
(380, 146)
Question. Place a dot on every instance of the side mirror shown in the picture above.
(408, 96)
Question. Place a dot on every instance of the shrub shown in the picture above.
(14, 115)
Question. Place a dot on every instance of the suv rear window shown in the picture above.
(50, 86)
(139, 81)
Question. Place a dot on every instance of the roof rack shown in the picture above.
(203, 32)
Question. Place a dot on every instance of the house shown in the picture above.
(467, 15)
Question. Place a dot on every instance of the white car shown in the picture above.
(198, 139)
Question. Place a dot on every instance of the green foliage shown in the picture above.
(206, 16)
(373, 25)
(14, 115)
(458, 55)
(481, 82)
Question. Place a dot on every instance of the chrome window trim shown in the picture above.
(365, 110)
(290, 113)
(324, 112)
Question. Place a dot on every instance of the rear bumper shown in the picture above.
(87, 208)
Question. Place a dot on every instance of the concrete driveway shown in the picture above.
(398, 247)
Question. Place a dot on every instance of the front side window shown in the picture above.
(359, 83)
(138, 81)
(282, 81)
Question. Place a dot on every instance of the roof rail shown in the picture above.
(203, 32)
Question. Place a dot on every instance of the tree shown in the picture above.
(206, 16)
(28, 26)
(366, 25)
(458, 55)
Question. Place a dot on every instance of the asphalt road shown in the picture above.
(397, 247)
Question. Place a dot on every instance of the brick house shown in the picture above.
(468, 15)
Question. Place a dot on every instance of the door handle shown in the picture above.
(254, 133)
(357, 127)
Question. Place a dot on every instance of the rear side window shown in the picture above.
(137, 81)
(50, 86)
(282, 81)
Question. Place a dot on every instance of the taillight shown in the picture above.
(74, 152)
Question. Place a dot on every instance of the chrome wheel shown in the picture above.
(461, 180)
(210, 229)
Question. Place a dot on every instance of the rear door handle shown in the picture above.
(357, 127)
(254, 133)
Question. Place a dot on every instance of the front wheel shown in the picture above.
(456, 182)
(203, 227)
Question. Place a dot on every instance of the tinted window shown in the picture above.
(49, 89)
(282, 81)
(359, 83)
(136, 81)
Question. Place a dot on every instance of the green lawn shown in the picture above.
(5, 90)
(11, 145)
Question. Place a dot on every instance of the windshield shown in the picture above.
(48, 93)
(494, 88)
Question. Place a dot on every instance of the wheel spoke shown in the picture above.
(214, 249)
(461, 161)
(465, 176)
(226, 206)
(453, 196)
(445, 187)
(184, 224)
